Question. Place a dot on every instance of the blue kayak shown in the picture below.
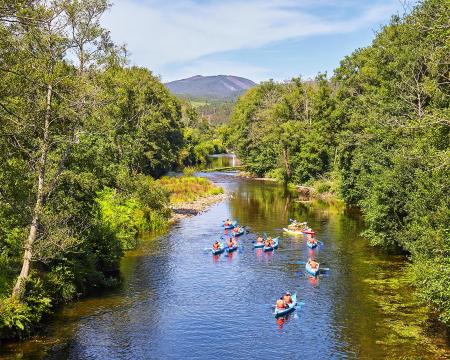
(231, 249)
(239, 233)
(311, 245)
(231, 226)
(258, 245)
(282, 312)
(274, 246)
(220, 250)
(311, 271)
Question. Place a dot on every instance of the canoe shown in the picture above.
(291, 307)
(293, 232)
(239, 233)
(220, 250)
(311, 245)
(233, 224)
(310, 270)
(234, 248)
(271, 248)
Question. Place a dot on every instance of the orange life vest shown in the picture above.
(280, 304)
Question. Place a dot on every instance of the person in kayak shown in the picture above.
(259, 240)
(313, 263)
(312, 240)
(281, 305)
(227, 222)
(287, 298)
(237, 229)
(216, 246)
(230, 242)
(269, 242)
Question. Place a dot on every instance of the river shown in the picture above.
(177, 301)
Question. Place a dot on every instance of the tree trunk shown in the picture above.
(28, 253)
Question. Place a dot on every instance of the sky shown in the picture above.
(256, 39)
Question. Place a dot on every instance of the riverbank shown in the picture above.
(192, 208)
(320, 190)
(153, 205)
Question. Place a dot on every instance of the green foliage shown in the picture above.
(185, 188)
(129, 213)
(377, 133)
(81, 135)
(200, 138)
(18, 318)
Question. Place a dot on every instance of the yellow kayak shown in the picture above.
(293, 232)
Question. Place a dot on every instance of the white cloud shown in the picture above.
(159, 33)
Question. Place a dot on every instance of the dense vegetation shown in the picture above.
(377, 134)
(81, 138)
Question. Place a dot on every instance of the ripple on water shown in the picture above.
(178, 302)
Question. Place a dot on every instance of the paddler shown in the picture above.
(259, 240)
(313, 263)
(216, 246)
(281, 305)
(227, 222)
(287, 298)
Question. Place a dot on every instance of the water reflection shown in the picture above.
(176, 302)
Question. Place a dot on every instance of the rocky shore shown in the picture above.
(188, 209)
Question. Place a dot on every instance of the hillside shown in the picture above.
(218, 87)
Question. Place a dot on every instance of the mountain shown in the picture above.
(218, 87)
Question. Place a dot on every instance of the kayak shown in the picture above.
(294, 232)
(309, 232)
(220, 250)
(310, 270)
(231, 226)
(311, 245)
(258, 245)
(274, 246)
(282, 312)
(239, 233)
(231, 249)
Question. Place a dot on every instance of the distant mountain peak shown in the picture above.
(220, 87)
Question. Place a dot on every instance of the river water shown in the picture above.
(179, 302)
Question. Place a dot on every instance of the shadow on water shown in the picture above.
(176, 301)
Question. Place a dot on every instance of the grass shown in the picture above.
(196, 104)
(188, 188)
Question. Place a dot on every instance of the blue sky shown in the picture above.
(257, 39)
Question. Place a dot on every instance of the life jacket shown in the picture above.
(280, 304)
(216, 246)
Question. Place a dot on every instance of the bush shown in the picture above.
(189, 171)
(18, 318)
(184, 189)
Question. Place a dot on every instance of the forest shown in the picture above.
(86, 139)
(376, 134)
(83, 136)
